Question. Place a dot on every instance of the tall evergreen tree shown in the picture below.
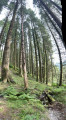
(6, 54)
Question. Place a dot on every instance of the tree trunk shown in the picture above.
(46, 62)
(43, 68)
(11, 53)
(60, 82)
(15, 49)
(26, 53)
(17, 54)
(40, 70)
(44, 56)
(52, 69)
(56, 5)
(2, 32)
(35, 46)
(54, 25)
(51, 13)
(20, 62)
(46, 68)
(30, 54)
(23, 52)
(32, 59)
(6, 54)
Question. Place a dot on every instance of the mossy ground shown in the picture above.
(26, 106)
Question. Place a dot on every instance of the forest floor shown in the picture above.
(18, 104)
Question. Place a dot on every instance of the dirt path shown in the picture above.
(57, 112)
(4, 110)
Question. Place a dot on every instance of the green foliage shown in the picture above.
(1, 23)
(12, 97)
(11, 6)
(16, 104)
(10, 91)
(64, 74)
(26, 104)
(11, 66)
(58, 93)
(30, 117)
(29, 107)
(26, 97)
(3, 3)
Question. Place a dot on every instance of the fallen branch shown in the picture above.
(47, 98)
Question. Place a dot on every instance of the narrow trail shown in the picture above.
(55, 111)
(4, 110)
(58, 112)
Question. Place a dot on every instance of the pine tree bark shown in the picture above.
(35, 54)
(51, 67)
(20, 62)
(32, 59)
(2, 32)
(45, 62)
(56, 5)
(15, 49)
(51, 13)
(59, 33)
(60, 81)
(26, 53)
(23, 52)
(44, 56)
(46, 68)
(17, 54)
(6, 54)
(11, 53)
(40, 70)
(30, 53)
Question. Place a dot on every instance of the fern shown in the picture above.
(30, 117)
(10, 91)
(26, 97)
(12, 97)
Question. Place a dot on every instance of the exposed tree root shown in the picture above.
(10, 80)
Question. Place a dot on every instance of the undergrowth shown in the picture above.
(25, 105)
